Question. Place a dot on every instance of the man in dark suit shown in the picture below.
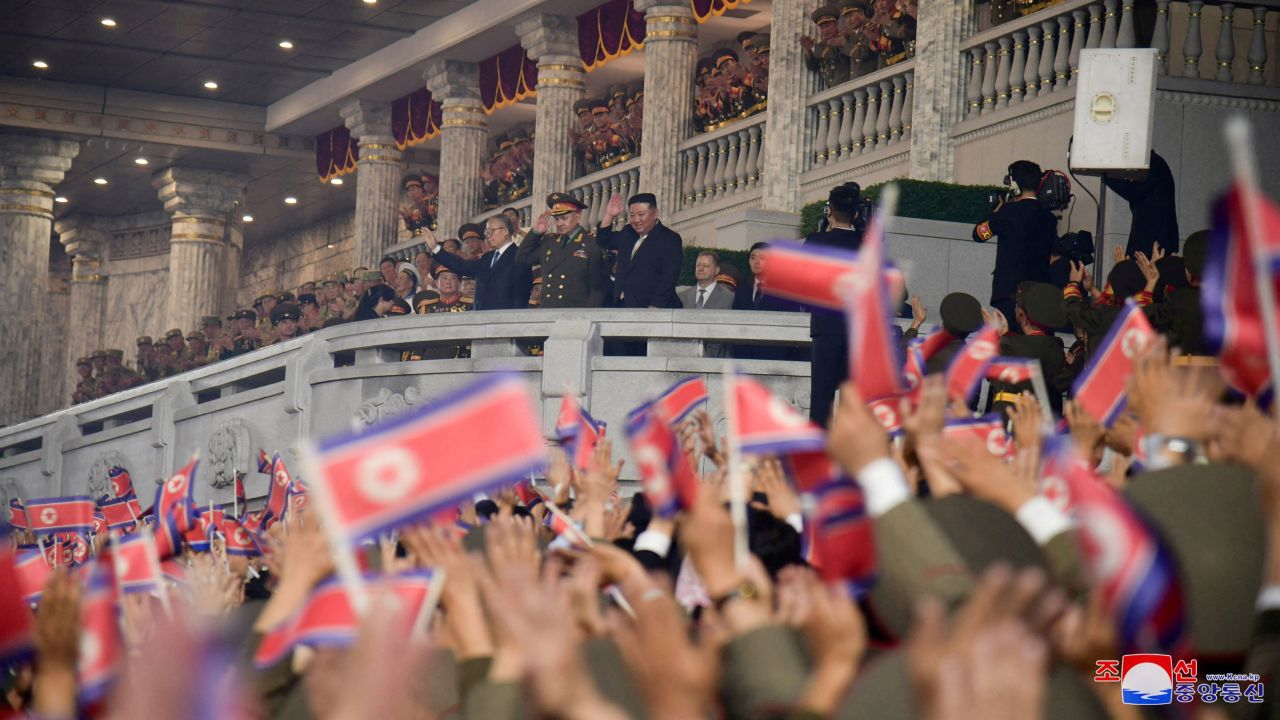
(751, 295)
(501, 282)
(649, 254)
(829, 331)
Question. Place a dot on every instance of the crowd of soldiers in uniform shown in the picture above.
(508, 176)
(857, 37)
(608, 128)
(727, 88)
(423, 193)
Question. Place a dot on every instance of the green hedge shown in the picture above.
(737, 258)
(921, 199)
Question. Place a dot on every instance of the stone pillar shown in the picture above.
(377, 179)
(85, 241)
(463, 136)
(233, 255)
(939, 92)
(785, 116)
(670, 54)
(552, 40)
(198, 201)
(30, 167)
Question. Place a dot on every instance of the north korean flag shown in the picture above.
(1234, 325)
(65, 514)
(264, 462)
(988, 431)
(136, 563)
(330, 619)
(874, 364)
(239, 541)
(681, 399)
(844, 548)
(569, 535)
(816, 275)
(32, 569)
(78, 549)
(1012, 370)
(252, 521)
(121, 513)
(934, 342)
(17, 514)
(766, 424)
(101, 651)
(278, 497)
(583, 444)
(395, 473)
(567, 419)
(969, 365)
(175, 498)
(241, 499)
(528, 494)
(15, 617)
(669, 482)
(1103, 386)
(99, 523)
(121, 483)
(173, 570)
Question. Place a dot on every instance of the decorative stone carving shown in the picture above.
(388, 404)
(140, 242)
(100, 473)
(8, 491)
(229, 453)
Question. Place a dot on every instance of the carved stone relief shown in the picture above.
(100, 474)
(387, 405)
(228, 453)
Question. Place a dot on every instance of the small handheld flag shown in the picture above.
(1102, 389)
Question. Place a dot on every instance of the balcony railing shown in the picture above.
(722, 163)
(866, 114)
(595, 189)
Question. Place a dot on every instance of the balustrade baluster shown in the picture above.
(1192, 48)
(633, 182)
(907, 100)
(1110, 24)
(1062, 57)
(834, 109)
(882, 120)
(602, 191)
(973, 93)
(1093, 39)
(1226, 54)
(846, 125)
(713, 159)
(1019, 67)
(895, 109)
(1048, 52)
(1077, 43)
(1031, 73)
(722, 154)
(753, 158)
(1002, 72)
(1258, 47)
(690, 170)
(625, 188)
(731, 164)
(700, 174)
(1160, 37)
(869, 125)
(859, 119)
(1127, 37)
(989, 79)
(820, 137)
(740, 170)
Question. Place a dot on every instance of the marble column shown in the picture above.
(233, 254)
(670, 54)
(85, 240)
(377, 179)
(938, 100)
(785, 116)
(463, 136)
(30, 167)
(198, 202)
(552, 40)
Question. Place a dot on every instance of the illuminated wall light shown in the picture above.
(336, 181)
(247, 218)
(291, 200)
(61, 199)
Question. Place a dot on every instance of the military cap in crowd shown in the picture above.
(243, 314)
(371, 276)
(1193, 252)
(727, 280)
(98, 354)
(961, 313)
(307, 299)
(634, 91)
(563, 203)
(285, 296)
(269, 294)
(208, 320)
(331, 280)
(599, 105)
(439, 270)
(115, 353)
(80, 362)
(617, 90)
(471, 229)
(718, 57)
(1042, 302)
(825, 13)
(848, 6)
(761, 43)
(411, 179)
(582, 106)
(175, 332)
(704, 66)
(518, 134)
(746, 39)
(285, 311)
(143, 340)
(195, 335)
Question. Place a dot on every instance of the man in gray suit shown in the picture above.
(707, 294)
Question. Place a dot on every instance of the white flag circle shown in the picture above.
(982, 350)
(651, 460)
(387, 476)
(177, 484)
(48, 516)
(783, 414)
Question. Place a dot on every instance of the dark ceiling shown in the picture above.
(175, 46)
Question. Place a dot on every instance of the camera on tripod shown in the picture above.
(1053, 192)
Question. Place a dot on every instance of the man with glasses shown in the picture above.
(501, 282)
(575, 272)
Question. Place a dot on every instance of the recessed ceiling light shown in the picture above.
(210, 85)
(100, 181)
(285, 45)
(330, 246)
(40, 65)
(61, 199)
(370, 2)
(336, 181)
(247, 218)
(107, 22)
(140, 161)
(291, 200)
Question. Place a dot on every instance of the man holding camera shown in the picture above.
(1025, 233)
(829, 331)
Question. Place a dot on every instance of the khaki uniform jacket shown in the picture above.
(575, 273)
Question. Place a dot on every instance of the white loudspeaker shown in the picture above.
(1115, 104)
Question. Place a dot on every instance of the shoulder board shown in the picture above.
(466, 299)
(429, 301)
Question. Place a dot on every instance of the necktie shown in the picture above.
(497, 254)
(755, 298)
(636, 248)
(702, 295)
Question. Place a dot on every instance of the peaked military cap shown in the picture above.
(746, 38)
(961, 313)
(718, 57)
(825, 13)
(143, 340)
(502, 141)
(583, 105)
(175, 332)
(411, 179)
(761, 43)
(371, 276)
(439, 270)
(474, 228)
(244, 314)
(269, 294)
(704, 66)
(848, 6)
(285, 311)
(599, 106)
(82, 361)
(564, 203)
(211, 320)
(307, 299)
(115, 353)
(520, 134)
(1042, 303)
(285, 296)
(195, 335)
(617, 90)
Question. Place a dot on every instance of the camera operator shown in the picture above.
(842, 228)
(1025, 233)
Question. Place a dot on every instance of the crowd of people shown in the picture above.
(857, 37)
(726, 88)
(508, 174)
(608, 130)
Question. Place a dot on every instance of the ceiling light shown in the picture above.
(40, 65)
(330, 246)
(140, 161)
(291, 200)
(100, 181)
(247, 218)
(210, 85)
(286, 45)
(370, 2)
(107, 22)
(336, 181)
(61, 199)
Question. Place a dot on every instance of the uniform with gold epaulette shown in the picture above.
(574, 268)
(197, 352)
(430, 302)
(827, 58)
(87, 387)
(863, 51)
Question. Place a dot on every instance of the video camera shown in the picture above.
(1075, 246)
(1053, 193)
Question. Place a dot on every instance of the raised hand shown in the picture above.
(834, 630)
(542, 222)
(57, 639)
(856, 437)
(1028, 422)
(1148, 269)
(612, 210)
(783, 501)
(918, 312)
(1172, 401)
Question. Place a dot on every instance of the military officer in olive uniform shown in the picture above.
(1038, 312)
(87, 387)
(575, 272)
(145, 358)
(863, 51)
(98, 359)
(827, 56)
(448, 299)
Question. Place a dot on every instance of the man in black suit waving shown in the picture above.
(830, 331)
(501, 282)
(649, 254)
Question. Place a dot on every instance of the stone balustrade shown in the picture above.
(524, 207)
(722, 163)
(861, 116)
(595, 189)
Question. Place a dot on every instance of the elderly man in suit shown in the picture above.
(707, 294)
(501, 282)
(649, 254)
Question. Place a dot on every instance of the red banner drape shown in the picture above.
(336, 153)
(704, 10)
(508, 77)
(609, 31)
(415, 118)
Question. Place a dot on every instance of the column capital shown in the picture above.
(543, 35)
(204, 193)
(83, 236)
(662, 7)
(35, 159)
(452, 80)
(367, 117)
